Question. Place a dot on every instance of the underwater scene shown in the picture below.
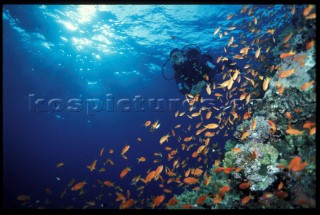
(159, 106)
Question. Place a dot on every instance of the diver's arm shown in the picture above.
(182, 86)
(209, 68)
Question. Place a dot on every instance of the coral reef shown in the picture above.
(268, 157)
(258, 162)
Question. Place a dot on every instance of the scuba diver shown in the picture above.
(193, 70)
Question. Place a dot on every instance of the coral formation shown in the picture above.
(263, 164)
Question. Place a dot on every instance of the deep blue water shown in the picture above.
(86, 52)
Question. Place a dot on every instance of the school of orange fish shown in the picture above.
(210, 121)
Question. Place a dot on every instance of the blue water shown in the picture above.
(88, 52)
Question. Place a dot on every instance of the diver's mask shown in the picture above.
(177, 58)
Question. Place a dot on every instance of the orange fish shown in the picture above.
(292, 131)
(246, 199)
(273, 126)
(124, 172)
(125, 149)
(208, 89)
(286, 73)
(293, 9)
(238, 169)
(244, 50)
(147, 123)
(236, 150)
(197, 171)
(201, 199)
(307, 84)
(173, 133)
(139, 139)
(311, 16)
(267, 195)
(243, 10)
(110, 151)
(206, 142)
(287, 54)
(254, 154)
(253, 124)
(280, 186)
(211, 126)
(59, 164)
(200, 149)
(187, 139)
(127, 204)
(78, 186)
(238, 56)
(228, 170)
(150, 176)
(248, 98)
(307, 10)
(312, 131)
(207, 180)
(108, 183)
(244, 185)
(157, 201)
(155, 126)
(230, 42)
(186, 206)
(266, 83)
(216, 162)
(101, 152)
(164, 139)
(288, 115)
(173, 152)
(167, 148)
(296, 165)
(120, 197)
(287, 38)
(301, 57)
(172, 201)
(159, 170)
(243, 96)
(257, 52)
(310, 44)
(217, 199)
(281, 89)
(190, 180)
(92, 166)
(224, 189)
(186, 174)
(246, 115)
(271, 31)
(198, 124)
(308, 125)
(141, 159)
(245, 135)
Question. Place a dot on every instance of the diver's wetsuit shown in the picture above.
(195, 69)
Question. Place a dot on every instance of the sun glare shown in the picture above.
(85, 13)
